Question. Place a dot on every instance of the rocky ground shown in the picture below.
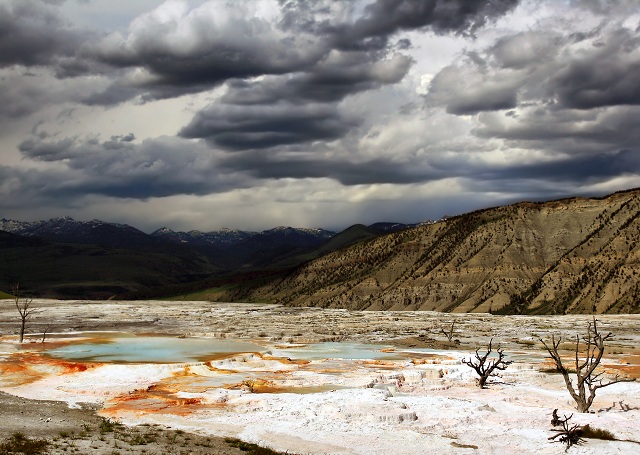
(416, 402)
(81, 430)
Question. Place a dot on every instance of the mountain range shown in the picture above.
(62, 257)
(574, 255)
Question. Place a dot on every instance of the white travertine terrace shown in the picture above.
(409, 400)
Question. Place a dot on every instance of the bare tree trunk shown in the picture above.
(23, 305)
(449, 333)
(23, 324)
(587, 380)
(45, 331)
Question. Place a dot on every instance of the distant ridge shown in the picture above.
(65, 258)
(575, 255)
(67, 230)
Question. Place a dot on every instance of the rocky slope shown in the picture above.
(568, 256)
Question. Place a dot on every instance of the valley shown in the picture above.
(570, 256)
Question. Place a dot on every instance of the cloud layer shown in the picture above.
(221, 102)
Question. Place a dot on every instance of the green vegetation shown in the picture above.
(19, 443)
(89, 271)
(109, 426)
(112, 435)
(4, 295)
(251, 449)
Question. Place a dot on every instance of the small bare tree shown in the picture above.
(24, 307)
(588, 381)
(45, 330)
(569, 434)
(449, 333)
(485, 366)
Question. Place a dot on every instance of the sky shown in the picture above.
(204, 114)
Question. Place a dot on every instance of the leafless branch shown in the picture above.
(24, 305)
(449, 333)
(588, 381)
(569, 434)
(485, 367)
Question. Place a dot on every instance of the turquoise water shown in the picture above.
(334, 350)
(123, 347)
(152, 349)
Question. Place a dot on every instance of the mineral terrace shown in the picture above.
(315, 381)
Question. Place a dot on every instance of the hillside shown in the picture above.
(569, 256)
(65, 258)
(48, 269)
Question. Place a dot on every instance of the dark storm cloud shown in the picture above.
(576, 168)
(196, 51)
(606, 75)
(264, 126)
(383, 18)
(458, 16)
(121, 168)
(164, 167)
(572, 147)
(32, 34)
(599, 68)
(340, 75)
(347, 172)
(201, 49)
(569, 132)
(562, 170)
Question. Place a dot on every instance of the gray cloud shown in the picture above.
(32, 34)
(608, 7)
(383, 18)
(568, 132)
(337, 168)
(467, 92)
(525, 50)
(605, 75)
(121, 168)
(195, 51)
(264, 126)
(338, 76)
(114, 94)
(319, 94)
(578, 168)
(576, 71)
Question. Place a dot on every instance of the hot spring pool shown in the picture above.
(131, 348)
(336, 350)
(151, 349)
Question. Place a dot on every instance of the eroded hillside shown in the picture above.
(569, 256)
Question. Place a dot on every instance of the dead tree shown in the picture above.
(588, 381)
(449, 333)
(45, 330)
(24, 307)
(569, 434)
(485, 366)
